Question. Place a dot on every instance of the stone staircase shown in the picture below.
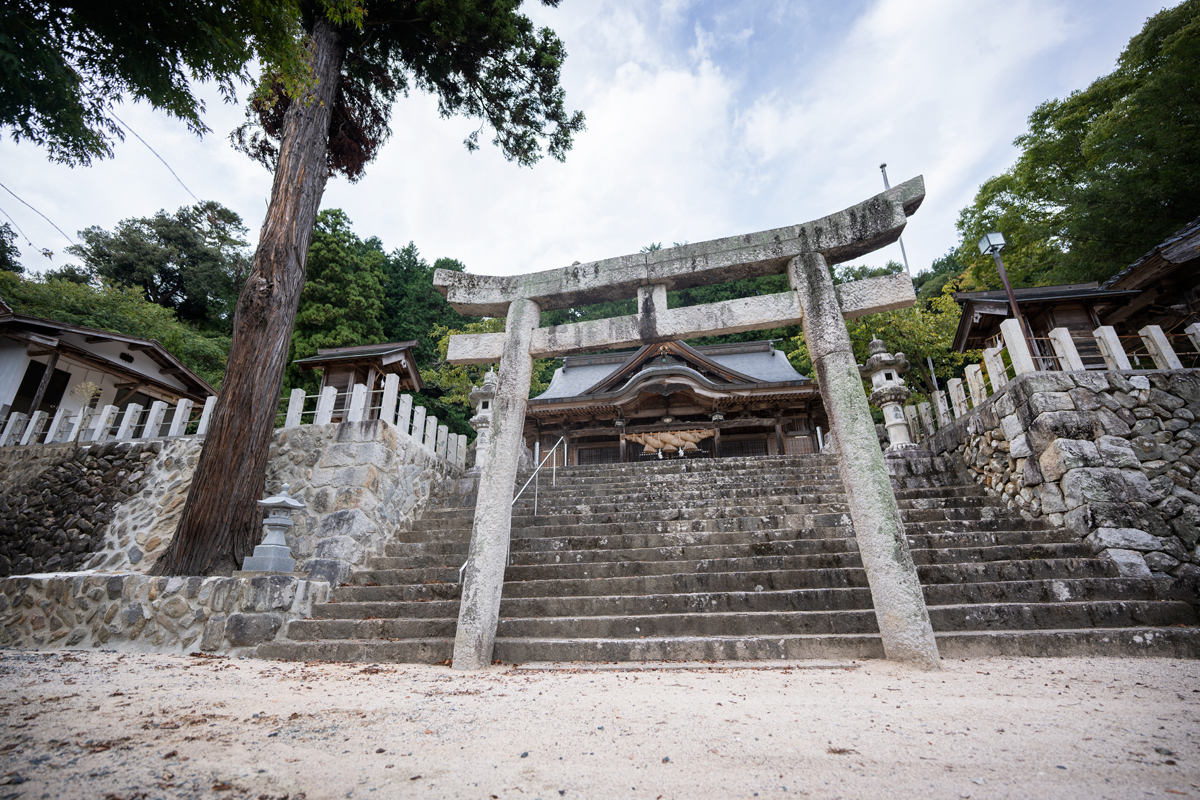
(743, 559)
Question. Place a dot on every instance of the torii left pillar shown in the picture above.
(483, 578)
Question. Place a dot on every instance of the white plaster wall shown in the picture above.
(12, 369)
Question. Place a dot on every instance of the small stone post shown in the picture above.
(79, 425)
(430, 440)
(926, 415)
(210, 403)
(295, 410)
(358, 403)
(418, 424)
(1160, 348)
(443, 434)
(54, 432)
(404, 414)
(1193, 332)
(12, 429)
(1018, 347)
(325, 403)
(1065, 349)
(31, 429)
(975, 384)
(942, 408)
(914, 424)
(154, 420)
(452, 449)
(179, 421)
(391, 393)
(103, 422)
(461, 458)
(483, 578)
(133, 413)
(895, 588)
(958, 397)
(994, 362)
(1110, 347)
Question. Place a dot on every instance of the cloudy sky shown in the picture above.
(705, 119)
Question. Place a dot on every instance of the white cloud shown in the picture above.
(700, 124)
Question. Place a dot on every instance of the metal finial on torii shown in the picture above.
(804, 252)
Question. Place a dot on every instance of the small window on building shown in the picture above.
(889, 376)
(485, 405)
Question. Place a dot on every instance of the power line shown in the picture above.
(18, 227)
(156, 155)
(40, 214)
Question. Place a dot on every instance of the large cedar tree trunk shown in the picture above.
(221, 523)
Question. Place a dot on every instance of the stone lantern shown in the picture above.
(889, 392)
(484, 400)
(274, 555)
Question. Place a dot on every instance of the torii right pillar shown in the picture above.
(895, 589)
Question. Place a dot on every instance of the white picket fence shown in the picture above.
(1152, 348)
(162, 420)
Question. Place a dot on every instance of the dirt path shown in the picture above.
(104, 725)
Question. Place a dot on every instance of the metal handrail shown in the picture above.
(538, 469)
(532, 478)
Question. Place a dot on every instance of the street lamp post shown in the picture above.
(993, 243)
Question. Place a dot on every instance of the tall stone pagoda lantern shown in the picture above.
(889, 392)
(484, 400)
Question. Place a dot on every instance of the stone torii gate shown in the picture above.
(804, 253)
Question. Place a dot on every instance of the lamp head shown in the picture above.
(991, 243)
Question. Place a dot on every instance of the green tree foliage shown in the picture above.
(932, 283)
(412, 307)
(481, 58)
(193, 261)
(8, 250)
(923, 331)
(447, 386)
(71, 272)
(63, 66)
(120, 310)
(342, 302)
(1103, 175)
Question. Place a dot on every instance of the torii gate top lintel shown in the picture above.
(847, 234)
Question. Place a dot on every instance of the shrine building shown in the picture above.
(671, 400)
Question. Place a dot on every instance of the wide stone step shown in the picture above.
(750, 525)
(408, 651)
(456, 543)
(624, 568)
(1038, 591)
(768, 580)
(1117, 642)
(454, 557)
(993, 616)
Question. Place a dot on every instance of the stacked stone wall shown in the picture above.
(1113, 456)
(138, 613)
(64, 507)
(361, 483)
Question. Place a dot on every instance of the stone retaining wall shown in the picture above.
(116, 506)
(133, 612)
(1114, 456)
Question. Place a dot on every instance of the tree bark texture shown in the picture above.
(221, 522)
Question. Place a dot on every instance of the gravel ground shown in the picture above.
(108, 726)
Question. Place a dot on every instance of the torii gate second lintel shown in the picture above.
(813, 301)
